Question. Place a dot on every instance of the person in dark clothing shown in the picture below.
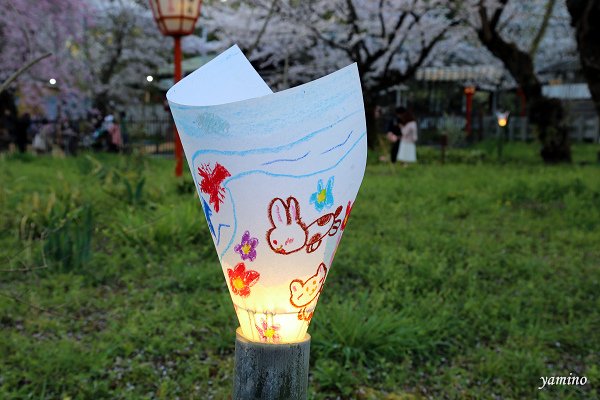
(394, 132)
(21, 129)
(124, 128)
(7, 128)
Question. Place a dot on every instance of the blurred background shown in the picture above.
(455, 65)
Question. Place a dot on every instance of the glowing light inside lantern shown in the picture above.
(502, 118)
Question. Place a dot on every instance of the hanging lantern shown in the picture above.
(176, 17)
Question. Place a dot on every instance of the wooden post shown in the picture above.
(270, 371)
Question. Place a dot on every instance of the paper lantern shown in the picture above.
(502, 118)
(277, 175)
(175, 17)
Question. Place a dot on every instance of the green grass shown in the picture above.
(468, 280)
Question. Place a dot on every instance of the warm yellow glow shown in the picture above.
(276, 309)
(502, 118)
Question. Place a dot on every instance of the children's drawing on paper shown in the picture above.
(274, 172)
(347, 215)
(247, 248)
(289, 234)
(268, 332)
(305, 293)
(208, 214)
(241, 279)
(212, 178)
(323, 197)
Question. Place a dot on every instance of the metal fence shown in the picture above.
(155, 135)
(151, 136)
(581, 128)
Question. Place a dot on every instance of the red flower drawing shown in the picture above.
(211, 183)
(348, 211)
(241, 280)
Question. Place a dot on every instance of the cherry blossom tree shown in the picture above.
(101, 51)
(120, 47)
(388, 39)
(31, 29)
(525, 37)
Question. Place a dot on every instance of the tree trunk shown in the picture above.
(584, 18)
(546, 115)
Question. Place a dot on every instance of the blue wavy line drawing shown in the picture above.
(339, 145)
(219, 231)
(273, 149)
(286, 159)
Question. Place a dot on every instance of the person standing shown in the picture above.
(22, 127)
(114, 131)
(408, 149)
(394, 132)
(42, 142)
(70, 138)
(124, 130)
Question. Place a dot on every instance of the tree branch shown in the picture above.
(262, 29)
(519, 63)
(540, 33)
(24, 68)
(381, 21)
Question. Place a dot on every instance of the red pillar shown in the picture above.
(177, 78)
(469, 92)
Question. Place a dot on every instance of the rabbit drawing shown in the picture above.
(290, 234)
(304, 294)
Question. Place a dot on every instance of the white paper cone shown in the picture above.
(277, 175)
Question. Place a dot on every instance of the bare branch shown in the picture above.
(262, 29)
(540, 33)
(381, 21)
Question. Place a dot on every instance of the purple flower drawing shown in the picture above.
(247, 248)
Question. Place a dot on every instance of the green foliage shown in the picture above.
(466, 280)
(125, 181)
(61, 223)
(69, 239)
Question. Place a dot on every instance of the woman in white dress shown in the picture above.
(408, 149)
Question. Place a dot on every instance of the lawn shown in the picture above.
(468, 280)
